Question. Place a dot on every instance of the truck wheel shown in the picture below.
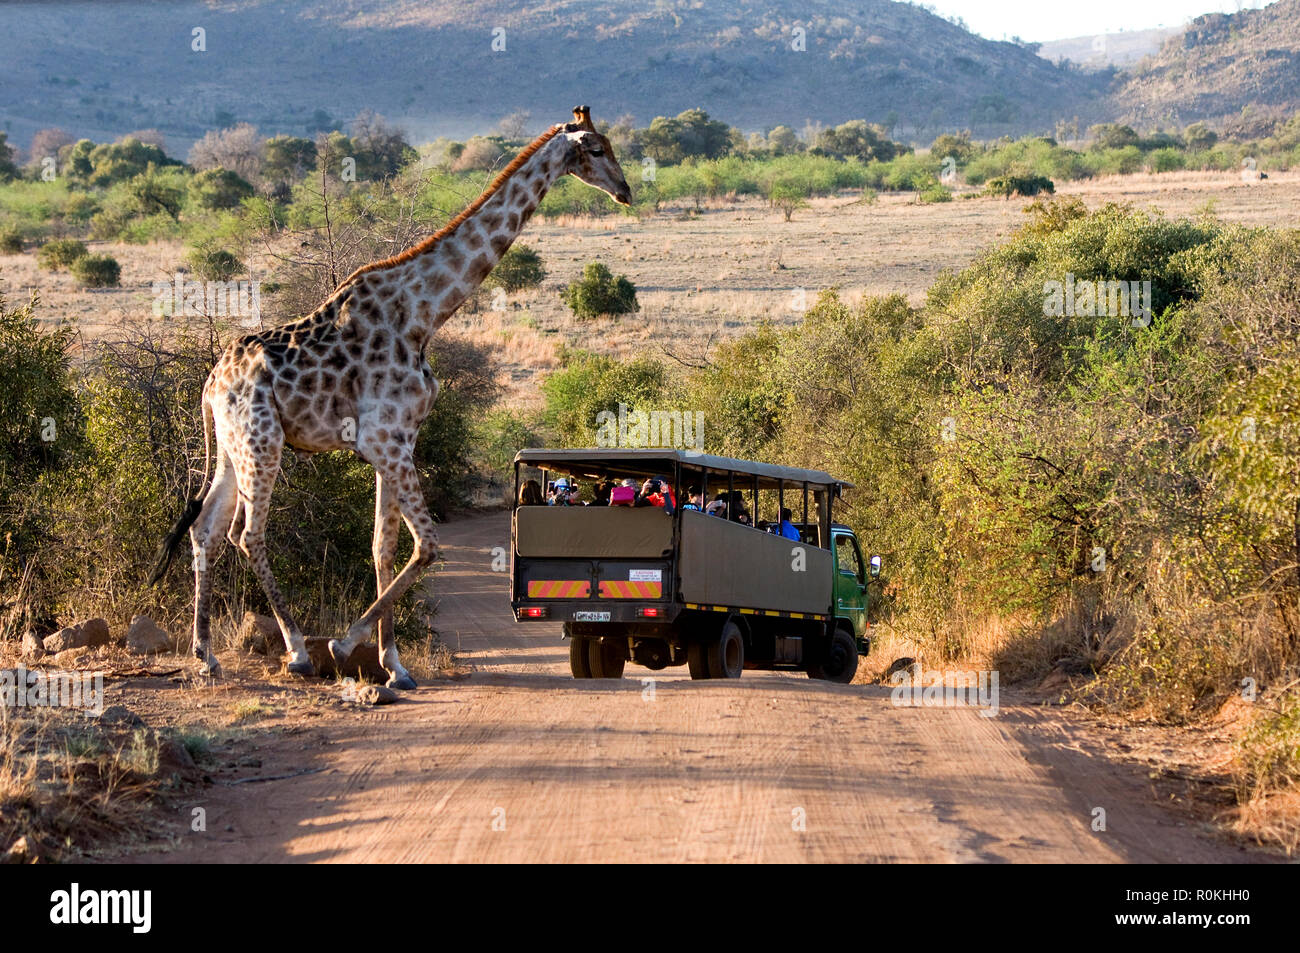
(726, 653)
(841, 662)
(579, 656)
(605, 660)
(697, 659)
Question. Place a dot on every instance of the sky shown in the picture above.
(1039, 20)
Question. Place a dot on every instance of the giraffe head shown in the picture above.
(591, 158)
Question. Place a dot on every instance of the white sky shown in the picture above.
(1038, 20)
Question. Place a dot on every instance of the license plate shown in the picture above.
(591, 617)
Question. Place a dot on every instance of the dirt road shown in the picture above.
(521, 763)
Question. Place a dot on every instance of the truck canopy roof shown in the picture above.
(623, 462)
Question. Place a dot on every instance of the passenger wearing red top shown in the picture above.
(657, 492)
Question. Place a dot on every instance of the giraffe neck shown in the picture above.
(442, 277)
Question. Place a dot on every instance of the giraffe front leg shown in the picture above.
(405, 487)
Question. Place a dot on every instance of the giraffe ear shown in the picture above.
(582, 118)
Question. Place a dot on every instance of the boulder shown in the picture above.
(94, 633)
(121, 715)
(377, 695)
(33, 648)
(362, 665)
(69, 637)
(260, 634)
(144, 637)
(68, 658)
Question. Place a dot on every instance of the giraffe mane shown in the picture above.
(427, 243)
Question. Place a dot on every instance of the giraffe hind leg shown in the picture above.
(206, 541)
(255, 488)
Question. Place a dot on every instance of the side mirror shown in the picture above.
(875, 566)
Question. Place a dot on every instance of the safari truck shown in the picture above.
(669, 584)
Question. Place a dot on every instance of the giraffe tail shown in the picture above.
(172, 542)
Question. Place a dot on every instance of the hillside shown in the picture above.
(102, 69)
(1108, 49)
(1240, 69)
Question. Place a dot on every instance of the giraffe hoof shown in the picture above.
(210, 669)
(403, 683)
(305, 669)
(337, 654)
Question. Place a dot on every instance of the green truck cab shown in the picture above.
(675, 585)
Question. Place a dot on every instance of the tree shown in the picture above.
(287, 159)
(786, 197)
(1110, 135)
(382, 149)
(859, 139)
(7, 168)
(47, 143)
(238, 149)
(218, 189)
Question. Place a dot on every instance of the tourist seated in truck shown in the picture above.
(530, 494)
(601, 492)
(694, 499)
(786, 527)
(656, 492)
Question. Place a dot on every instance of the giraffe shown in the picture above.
(353, 375)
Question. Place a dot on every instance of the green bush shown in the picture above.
(599, 292)
(97, 271)
(935, 193)
(1026, 185)
(11, 241)
(218, 189)
(214, 265)
(519, 268)
(60, 253)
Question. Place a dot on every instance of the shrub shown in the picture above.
(519, 268)
(218, 189)
(1026, 185)
(599, 292)
(60, 253)
(11, 241)
(214, 264)
(935, 193)
(97, 271)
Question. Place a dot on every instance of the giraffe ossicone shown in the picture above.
(354, 375)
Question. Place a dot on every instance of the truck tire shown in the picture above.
(841, 661)
(605, 660)
(579, 656)
(726, 652)
(697, 659)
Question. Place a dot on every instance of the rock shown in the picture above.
(69, 637)
(121, 715)
(33, 648)
(377, 695)
(19, 852)
(94, 633)
(144, 637)
(174, 758)
(260, 634)
(363, 663)
(68, 658)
